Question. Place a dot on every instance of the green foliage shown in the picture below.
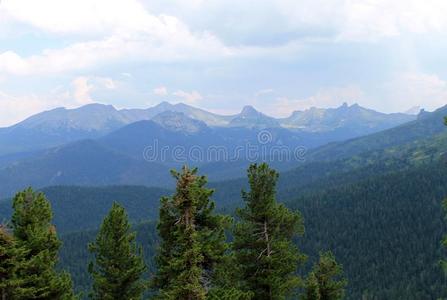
(228, 293)
(10, 259)
(33, 232)
(75, 255)
(262, 243)
(118, 266)
(192, 240)
(325, 281)
(312, 291)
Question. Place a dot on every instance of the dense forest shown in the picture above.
(385, 230)
(188, 255)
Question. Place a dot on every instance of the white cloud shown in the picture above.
(411, 89)
(264, 92)
(192, 97)
(357, 20)
(110, 31)
(121, 31)
(16, 107)
(87, 17)
(161, 91)
(82, 90)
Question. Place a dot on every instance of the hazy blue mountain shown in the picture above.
(427, 128)
(83, 163)
(355, 119)
(59, 126)
(134, 153)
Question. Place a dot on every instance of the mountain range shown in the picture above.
(133, 153)
(60, 126)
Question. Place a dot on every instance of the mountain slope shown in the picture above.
(82, 163)
(427, 126)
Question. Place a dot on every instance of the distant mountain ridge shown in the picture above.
(59, 126)
(131, 154)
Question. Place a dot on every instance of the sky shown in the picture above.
(277, 55)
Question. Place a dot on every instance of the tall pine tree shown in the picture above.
(192, 240)
(119, 266)
(36, 236)
(263, 246)
(325, 281)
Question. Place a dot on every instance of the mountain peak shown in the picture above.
(164, 105)
(415, 110)
(95, 107)
(249, 110)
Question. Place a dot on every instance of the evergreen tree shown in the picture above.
(192, 240)
(263, 245)
(325, 281)
(312, 289)
(10, 256)
(36, 237)
(118, 267)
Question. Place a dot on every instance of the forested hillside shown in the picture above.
(83, 208)
(385, 230)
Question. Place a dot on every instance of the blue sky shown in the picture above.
(277, 55)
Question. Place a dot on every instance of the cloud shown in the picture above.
(82, 90)
(264, 92)
(113, 31)
(16, 107)
(411, 89)
(192, 97)
(161, 91)
(110, 31)
(277, 22)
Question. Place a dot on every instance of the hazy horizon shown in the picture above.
(284, 56)
(237, 111)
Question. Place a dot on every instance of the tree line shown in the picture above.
(201, 254)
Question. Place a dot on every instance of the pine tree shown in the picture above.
(263, 246)
(10, 260)
(325, 281)
(36, 236)
(192, 240)
(312, 289)
(118, 267)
